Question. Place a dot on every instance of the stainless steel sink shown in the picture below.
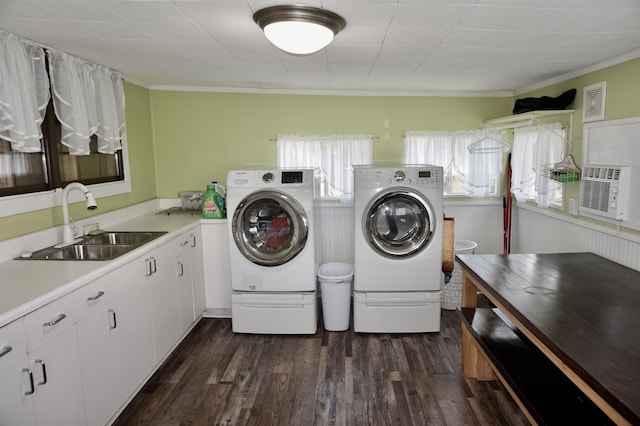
(105, 246)
(82, 252)
(129, 238)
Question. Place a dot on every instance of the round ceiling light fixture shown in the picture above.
(300, 30)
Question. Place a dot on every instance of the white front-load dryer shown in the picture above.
(271, 251)
(398, 212)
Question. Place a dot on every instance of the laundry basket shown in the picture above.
(335, 288)
(451, 295)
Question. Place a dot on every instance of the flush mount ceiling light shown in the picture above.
(300, 30)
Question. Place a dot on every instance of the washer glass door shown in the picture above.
(399, 223)
(270, 228)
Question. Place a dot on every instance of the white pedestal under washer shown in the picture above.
(398, 213)
(272, 251)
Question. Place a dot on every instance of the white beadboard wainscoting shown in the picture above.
(479, 222)
(545, 231)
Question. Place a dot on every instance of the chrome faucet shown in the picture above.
(68, 234)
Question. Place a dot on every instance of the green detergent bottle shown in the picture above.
(213, 202)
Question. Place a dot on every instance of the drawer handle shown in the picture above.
(180, 269)
(55, 321)
(96, 297)
(44, 372)
(5, 351)
(193, 240)
(30, 373)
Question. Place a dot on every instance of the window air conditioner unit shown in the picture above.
(604, 191)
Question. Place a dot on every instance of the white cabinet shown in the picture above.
(160, 271)
(217, 275)
(115, 340)
(16, 379)
(184, 274)
(40, 380)
(58, 386)
(133, 333)
(96, 346)
(52, 348)
(198, 271)
(80, 358)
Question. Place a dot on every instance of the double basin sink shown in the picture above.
(104, 246)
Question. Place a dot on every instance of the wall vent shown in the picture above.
(604, 191)
(593, 102)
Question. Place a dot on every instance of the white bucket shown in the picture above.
(335, 288)
(451, 295)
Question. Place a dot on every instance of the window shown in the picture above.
(534, 149)
(334, 156)
(474, 174)
(61, 120)
(54, 167)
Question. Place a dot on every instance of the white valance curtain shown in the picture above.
(88, 99)
(24, 93)
(534, 148)
(334, 155)
(478, 173)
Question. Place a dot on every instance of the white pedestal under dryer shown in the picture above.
(398, 212)
(271, 251)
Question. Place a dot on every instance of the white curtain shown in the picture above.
(24, 93)
(535, 148)
(335, 156)
(477, 173)
(88, 99)
(424, 147)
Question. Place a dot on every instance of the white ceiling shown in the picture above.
(388, 46)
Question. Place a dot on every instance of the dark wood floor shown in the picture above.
(216, 377)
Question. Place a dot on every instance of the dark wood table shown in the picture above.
(581, 310)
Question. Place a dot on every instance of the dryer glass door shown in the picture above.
(399, 223)
(270, 228)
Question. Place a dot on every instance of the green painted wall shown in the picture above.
(182, 140)
(199, 136)
(621, 101)
(143, 179)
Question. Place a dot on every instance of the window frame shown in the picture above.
(49, 194)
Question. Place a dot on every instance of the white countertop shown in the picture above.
(26, 285)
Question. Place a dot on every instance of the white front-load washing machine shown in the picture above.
(398, 214)
(271, 251)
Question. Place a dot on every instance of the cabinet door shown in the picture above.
(197, 268)
(161, 274)
(102, 390)
(16, 397)
(133, 333)
(185, 288)
(58, 386)
(217, 275)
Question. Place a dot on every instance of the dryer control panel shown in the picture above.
(375, 177)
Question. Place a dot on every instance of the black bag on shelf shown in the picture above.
(544, 102)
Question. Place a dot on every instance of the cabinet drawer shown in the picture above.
(49, 321)
(90, 297)
(12, 343)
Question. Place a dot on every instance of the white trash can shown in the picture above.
(335, 289)
(451, 295)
